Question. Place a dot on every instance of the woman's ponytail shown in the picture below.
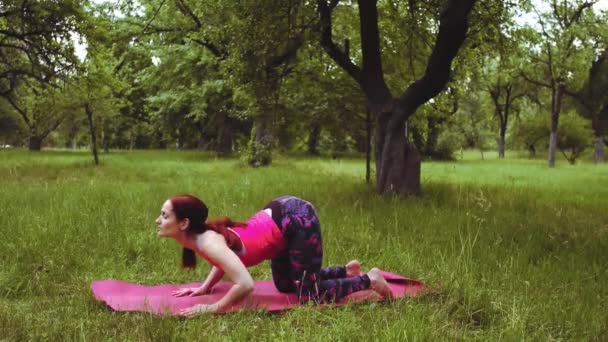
(188, 258)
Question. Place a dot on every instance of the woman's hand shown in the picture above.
(191, 291)
(198, 309)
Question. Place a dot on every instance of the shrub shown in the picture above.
(448, 143)
(574, 135)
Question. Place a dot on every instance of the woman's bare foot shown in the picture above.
(379, 284)
(353, 269)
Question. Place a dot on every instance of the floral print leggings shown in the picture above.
(298, 269)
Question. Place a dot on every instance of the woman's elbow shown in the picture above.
(247, 286)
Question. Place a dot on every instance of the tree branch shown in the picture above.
(325, 11)
(153, 17)
(578, 12)
(370, 40)
(211, 47)
(453, 26)
(19, 110)
(186, 11)
(533, 81)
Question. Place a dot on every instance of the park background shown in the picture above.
(456, 142)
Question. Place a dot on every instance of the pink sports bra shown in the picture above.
(261, 239)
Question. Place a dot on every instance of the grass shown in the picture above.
(516, 251)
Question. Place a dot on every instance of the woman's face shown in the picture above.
(168, 224)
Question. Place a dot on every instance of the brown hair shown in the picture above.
(192, 208)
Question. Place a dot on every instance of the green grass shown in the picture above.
(515, 250)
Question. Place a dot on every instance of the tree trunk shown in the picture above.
(397, 161)
(368, 145)
(260, 149)
(400, 169)
(430, 146)
(106, 145)
(313, 138)
(556, 109)
(105, 141)
(598, 155)
(552, 148)
(89, 113)
(599, 127)
(225, 137)
(35, 143)
(501, 143)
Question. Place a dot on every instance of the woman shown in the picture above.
(286, 231)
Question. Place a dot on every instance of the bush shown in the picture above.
(574, 135)
(531, 130)
(448, 143)
(258, 153)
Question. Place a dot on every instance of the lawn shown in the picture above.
(513, 249)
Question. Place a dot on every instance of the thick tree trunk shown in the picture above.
(598, 155)
(35, 143)
(313, 138)
(400, 169)
(397, 161)
(89, 113)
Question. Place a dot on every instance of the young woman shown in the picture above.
(286, 231)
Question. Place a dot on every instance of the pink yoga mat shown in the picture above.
(123, 296)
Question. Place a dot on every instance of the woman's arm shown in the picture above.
(213, 277)
(214, 247)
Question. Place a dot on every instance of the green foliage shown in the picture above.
(472, 122)
(12, 129)
(531, 129)
(574, 136)
(448, 143)
(36, 41)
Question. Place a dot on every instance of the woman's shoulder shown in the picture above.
(209, 238)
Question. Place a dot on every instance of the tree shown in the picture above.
(12, 129)
(501, 75)
(35, 51)
(557, 50)
(397, 161)
(472, 120)
(96, 86)
(42, 109)
(592, 101)
(35, 40)
(530, 128)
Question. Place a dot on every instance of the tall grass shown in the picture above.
(514, 250)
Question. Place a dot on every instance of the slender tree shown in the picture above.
(557, 51)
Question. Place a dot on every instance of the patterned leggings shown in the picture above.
(299, 268)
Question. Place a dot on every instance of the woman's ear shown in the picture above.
(184, 224)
